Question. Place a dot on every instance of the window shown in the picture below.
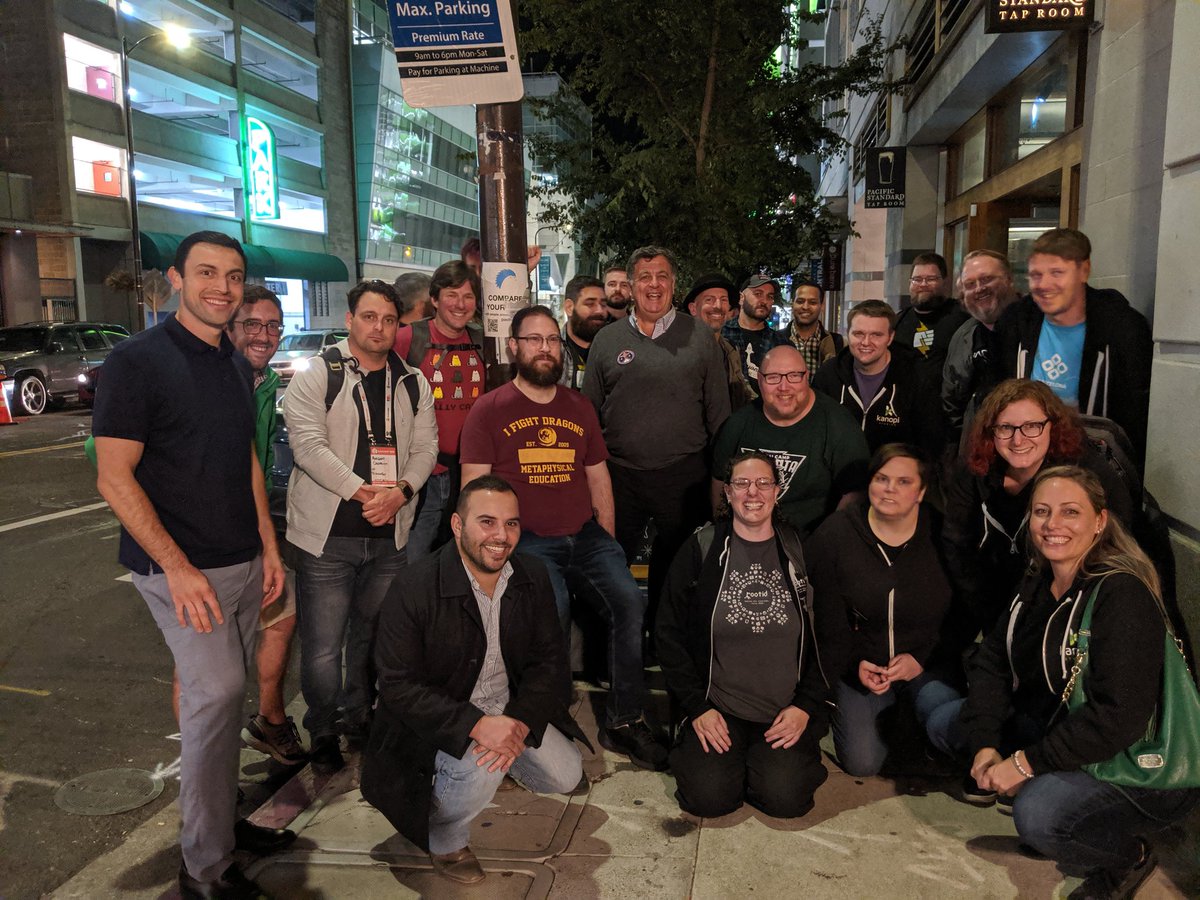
(92, 339)
(99, 168)
(302, 211)
(92, 70)
(167, 96)
(1034, 112)
(210, 31)
(971, 154)
(175, 185)
(278, 66)
(291, 139)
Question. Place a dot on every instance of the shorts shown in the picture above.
(284, 606)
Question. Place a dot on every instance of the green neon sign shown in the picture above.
(262, 187)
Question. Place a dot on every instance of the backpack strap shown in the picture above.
(335, 370)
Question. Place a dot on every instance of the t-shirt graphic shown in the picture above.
(923, 339)
(786, 464)
(454, 370)
(1059, 358)
(756, 597)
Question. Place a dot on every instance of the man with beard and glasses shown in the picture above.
(546, 441)
(709, 302)
(930, 322)
(750, 332)
(617, 292)
(473, 683)
(987, 290)
(586, 315)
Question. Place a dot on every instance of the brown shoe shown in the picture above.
(460, 866)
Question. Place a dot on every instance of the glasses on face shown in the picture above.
(985, 282)
(741, 485)
(254, 326)
(776, 377)
(1005, 432)
(538, 341)
(925, 279)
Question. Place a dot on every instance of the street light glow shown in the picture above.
(177, 36)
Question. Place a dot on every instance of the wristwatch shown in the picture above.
(406, 490)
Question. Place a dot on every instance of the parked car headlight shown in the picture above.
(301, 364)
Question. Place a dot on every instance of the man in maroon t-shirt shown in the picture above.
(545, 440)
(448, 349)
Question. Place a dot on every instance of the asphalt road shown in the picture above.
(85, 677)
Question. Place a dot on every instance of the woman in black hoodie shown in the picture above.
(878, 564)
(1022, 427)
(1015, 726)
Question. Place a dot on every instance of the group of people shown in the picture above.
(821, 549)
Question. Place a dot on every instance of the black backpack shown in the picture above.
(336, 367)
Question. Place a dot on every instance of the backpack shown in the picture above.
(336, 369)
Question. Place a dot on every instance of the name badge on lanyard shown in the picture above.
(383, 452)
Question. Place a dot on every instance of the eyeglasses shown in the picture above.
(741, 485)
(538, 341)
(776, 377)
(925, 279)
(984, 282)
(253, 326)
(1029, 429)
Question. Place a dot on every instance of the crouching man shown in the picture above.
(473, 683)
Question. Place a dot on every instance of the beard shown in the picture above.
(586, 329)
(617, 302)
(540, 376)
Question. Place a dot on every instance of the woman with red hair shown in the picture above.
(1022, 427)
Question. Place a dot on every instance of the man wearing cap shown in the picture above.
(806, 332)
(749, 333)
(709, 302)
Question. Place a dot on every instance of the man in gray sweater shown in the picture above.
(659, 385)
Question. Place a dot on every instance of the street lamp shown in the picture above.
(179, 38)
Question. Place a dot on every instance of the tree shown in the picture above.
(698, 137)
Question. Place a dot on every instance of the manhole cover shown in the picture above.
(108, 792)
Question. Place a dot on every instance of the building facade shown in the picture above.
(1008, 134)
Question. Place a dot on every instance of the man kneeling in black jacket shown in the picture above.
(473, 682)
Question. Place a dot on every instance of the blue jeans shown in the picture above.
(593, 556)
(462, 790)
(947, 734)
(431, 507)
(338, 597)
(856, 739)
(1074, 818)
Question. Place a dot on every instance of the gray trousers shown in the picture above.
(212, 685)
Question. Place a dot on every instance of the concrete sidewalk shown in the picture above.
(623, 836)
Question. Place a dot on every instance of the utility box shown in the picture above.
(106, 178)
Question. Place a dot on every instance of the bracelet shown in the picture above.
(1020, 768)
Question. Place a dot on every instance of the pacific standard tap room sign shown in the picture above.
(883, 168)
(1038, 15)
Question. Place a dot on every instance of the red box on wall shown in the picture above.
(101, 83)
(106, 179)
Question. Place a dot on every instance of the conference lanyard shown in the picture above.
(383, 452)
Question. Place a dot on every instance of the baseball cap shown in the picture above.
(759, 280)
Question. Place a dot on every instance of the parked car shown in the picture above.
(40, 362)
(87, 386)
(297, 350)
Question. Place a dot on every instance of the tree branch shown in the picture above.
(710, 87)
(666, 108)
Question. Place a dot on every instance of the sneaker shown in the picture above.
(636, 740)
(282, 742)
(326, 755)
(1119, 884)
(232, 885)
(1004, 804)
(974, 794)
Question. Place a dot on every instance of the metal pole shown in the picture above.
(501, 203)
(138, 292)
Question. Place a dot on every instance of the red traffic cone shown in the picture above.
(6, 417)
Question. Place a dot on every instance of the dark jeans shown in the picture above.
(947, 734)
(338, 597)
(676, 498)
(593, 557)
(780, 783)
(860, 749)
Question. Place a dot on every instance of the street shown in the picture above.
(85, 678)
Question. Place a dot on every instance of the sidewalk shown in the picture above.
(624, 836)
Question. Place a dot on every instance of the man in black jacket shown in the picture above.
(881, 383)
(1090, 346)
(473, 682)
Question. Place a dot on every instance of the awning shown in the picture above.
(158, 252)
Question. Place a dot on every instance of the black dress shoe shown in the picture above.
(257, 839)
(233, 885)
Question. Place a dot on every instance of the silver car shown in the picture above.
(298, 349)
(41, 362)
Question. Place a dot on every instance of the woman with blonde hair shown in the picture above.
(1089, 585)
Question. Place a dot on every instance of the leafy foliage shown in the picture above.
(698, 138)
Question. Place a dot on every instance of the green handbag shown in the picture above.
(1167, 756)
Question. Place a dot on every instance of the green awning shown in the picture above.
(158, 252)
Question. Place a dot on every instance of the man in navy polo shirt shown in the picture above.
(174, 428)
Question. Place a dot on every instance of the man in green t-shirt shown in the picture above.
(818, 448)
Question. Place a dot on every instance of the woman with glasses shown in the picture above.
(1022, 427)
(878, 564)
(1020, 738)
(737, 646)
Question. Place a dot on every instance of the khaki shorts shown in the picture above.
(282, 608)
